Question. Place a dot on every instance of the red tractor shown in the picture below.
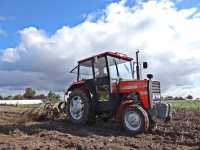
(106, 87)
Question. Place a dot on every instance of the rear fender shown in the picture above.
(80, 86)
(75, 85)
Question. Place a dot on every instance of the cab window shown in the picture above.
(120, 68)
(85, 70)
(100, 67)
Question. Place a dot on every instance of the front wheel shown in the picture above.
(78, 107)
(135, 120)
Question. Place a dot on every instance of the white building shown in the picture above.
(21, 102)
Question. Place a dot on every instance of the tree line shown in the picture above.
(31, 94)
(188, 97)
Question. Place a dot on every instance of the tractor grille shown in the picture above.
(155, 87)
(155, 91)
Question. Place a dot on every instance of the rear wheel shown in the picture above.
(78, 107)
(135, 120)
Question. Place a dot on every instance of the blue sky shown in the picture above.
(50, 15)
(187, 4)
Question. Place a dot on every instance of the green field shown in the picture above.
(185, 104)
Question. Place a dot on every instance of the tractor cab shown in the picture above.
(108, 85)
(102, 74)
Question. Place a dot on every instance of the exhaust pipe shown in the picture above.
(137, 66)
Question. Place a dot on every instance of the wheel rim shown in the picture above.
(76, 107)
(132, 120)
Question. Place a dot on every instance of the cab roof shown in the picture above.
(109, 53)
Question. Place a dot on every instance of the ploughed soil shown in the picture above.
(21, 131)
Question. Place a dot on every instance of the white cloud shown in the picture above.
(10, 55)
(169, 39)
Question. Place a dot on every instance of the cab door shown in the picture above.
(102, 79)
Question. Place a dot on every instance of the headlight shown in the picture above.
(156, 97)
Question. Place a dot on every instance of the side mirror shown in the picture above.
(149, 76)
(145, 65)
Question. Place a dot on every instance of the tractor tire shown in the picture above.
(152, 125)
(78, 107)
(135, 120)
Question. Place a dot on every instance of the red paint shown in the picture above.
(139, 86)
(114, 54)
(76, 85)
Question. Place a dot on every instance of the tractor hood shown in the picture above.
(130, 85)
(138, 86)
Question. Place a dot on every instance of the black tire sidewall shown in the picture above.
(85, 99)
(141, 128)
